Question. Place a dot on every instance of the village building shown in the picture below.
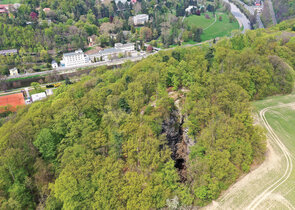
(258, 3)
(46, 10)
(116, 52)
(125, 47)
(8, 52)
(4, 8)
(140, 19)
(13, 72)
(74, 58)
(49, 92)
(54, 64)
(91, 40)
(190, 9)
(38, 96)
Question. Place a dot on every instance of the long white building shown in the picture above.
(119, 49)
(73, 58)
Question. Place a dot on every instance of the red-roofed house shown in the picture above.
(4, 8)
(11, 102)
(46, 10)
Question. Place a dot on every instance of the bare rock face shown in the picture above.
(172, 128)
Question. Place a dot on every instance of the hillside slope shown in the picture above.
(284, 9)
(175, 129)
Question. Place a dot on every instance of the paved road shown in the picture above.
(251, 9)
(243, 20)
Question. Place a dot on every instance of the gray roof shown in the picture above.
(4, 52)
(77, 52)
(107, 51)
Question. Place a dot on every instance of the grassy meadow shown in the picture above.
(213, 28)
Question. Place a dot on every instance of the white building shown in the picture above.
(38, 97)
(117, 51)
(49, 92)
(54, 64)
(126, 47)
(107, 54)
(13, 72)
(74, 58)
(140, 19)
(190, 9)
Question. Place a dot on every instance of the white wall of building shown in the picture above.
(74, 58)
(38, 96)
(140, 19)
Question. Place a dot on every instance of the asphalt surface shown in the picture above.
(243, 20)
(251, 9)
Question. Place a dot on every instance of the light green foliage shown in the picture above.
(99, 143)
(46, 143)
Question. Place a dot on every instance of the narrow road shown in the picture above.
(211, 24)
(251, 9)
(273, 137)
(242, 19)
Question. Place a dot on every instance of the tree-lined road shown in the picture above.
(242, 19)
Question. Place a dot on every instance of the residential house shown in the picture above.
(140, 19)
(190, 9)
(106, 54)
(258, 3)
(54, 64)
(46, 10)
(4, 8)
(91, 40)
(13, 72)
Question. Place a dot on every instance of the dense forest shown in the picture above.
(284, 9)
(172, 130)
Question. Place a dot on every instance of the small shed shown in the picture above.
(13, 72)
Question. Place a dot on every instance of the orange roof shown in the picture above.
(11, 101)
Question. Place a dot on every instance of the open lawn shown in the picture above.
(213, 28)
(272, 184)
(9, 1)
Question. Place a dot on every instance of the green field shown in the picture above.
(282, 121)
(212, 28)
(9, 1)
